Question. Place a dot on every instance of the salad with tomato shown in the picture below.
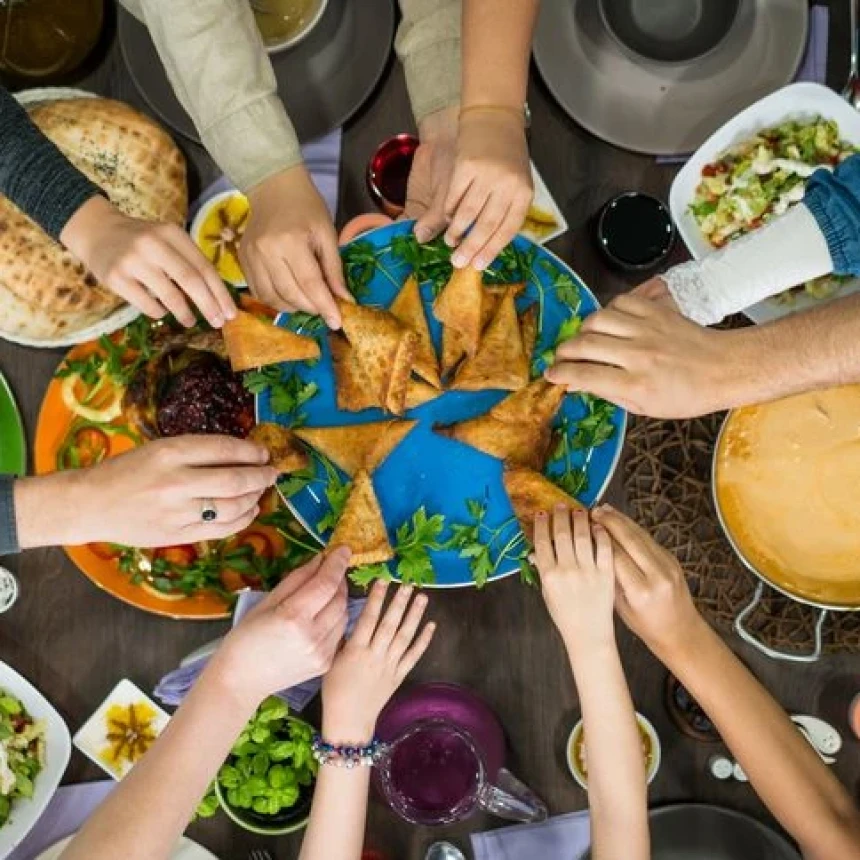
(762, 177)
(22, 753)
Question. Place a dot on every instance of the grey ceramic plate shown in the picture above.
(665, 108)
(323, 80)
(694, 831)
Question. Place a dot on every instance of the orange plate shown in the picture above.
(55, 419)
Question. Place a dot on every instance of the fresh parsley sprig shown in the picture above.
(430, 262)
(287, 390)
(367, 574)
(475, 540)
(568, 329)
(359, 266)
(415, 539)
(336, 492)
(596, 427)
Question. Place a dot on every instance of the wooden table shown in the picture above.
(74, 641)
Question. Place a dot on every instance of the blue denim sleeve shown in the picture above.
(834, 201)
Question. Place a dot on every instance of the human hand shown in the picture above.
(491, 187)
(373, 663)
(576, 574)
(153, 496)
(291, 635)
(652, 598)
(646, 357)
(656, 290)
(154, 267)
(289, 251)
(430, 176)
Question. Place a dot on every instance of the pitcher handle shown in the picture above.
(511, 799)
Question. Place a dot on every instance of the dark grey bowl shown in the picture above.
(669, 31)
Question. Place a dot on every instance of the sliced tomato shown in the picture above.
(178, 556)
(88, 445)
(255, 307)
(709, 170)
(232, 580)
(105, 551)
(258, 540)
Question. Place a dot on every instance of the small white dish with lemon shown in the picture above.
(217, 229)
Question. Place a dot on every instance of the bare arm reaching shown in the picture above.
(575, 561)
(787, 774)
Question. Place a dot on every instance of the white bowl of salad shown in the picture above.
(754, 168)
(34, 751)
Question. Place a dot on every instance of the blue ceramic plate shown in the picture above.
(438, 473)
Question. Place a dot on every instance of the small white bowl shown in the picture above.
(802, 101)
(644, 725)
(303, 33)
(90, 738)
(203, 213)
(27, 811)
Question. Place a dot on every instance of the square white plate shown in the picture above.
(545, 201)
(58, 748)
(802, 101)
(91, 738)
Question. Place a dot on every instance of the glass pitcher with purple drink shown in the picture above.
(442, 758)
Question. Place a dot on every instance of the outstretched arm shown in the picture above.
(643, 355)
(289, 637)
(488, 185)
(654, 601)
(575, 562)
(374, 662)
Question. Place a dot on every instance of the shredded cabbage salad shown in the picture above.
(22, 752)
(762, 177)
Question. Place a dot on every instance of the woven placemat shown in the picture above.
(667, 478)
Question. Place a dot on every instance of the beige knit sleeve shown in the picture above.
(428, 44)
(220, 71)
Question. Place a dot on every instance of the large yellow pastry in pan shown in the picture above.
(787, 479)
(45, 292)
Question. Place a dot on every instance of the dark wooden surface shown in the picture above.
(74, 642)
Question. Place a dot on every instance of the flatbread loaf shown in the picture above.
(45, 292)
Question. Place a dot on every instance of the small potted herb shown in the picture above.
(266, 783)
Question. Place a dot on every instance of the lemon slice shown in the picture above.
(218, 229)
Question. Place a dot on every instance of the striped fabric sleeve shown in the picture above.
(34, 174)
(8, 525)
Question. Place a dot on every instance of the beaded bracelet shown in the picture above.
(342, 755)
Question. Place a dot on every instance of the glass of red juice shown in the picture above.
(388, 173)
(434, 773)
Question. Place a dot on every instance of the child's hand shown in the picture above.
(575, 566)
(373, 663)
(653, 598)
(291, 635)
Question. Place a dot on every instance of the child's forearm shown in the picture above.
(617, 791)
(789, 777)
(146, 814)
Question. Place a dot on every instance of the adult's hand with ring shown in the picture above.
(152, 496)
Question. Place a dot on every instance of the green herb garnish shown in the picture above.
(415, 539)
(475, 540)
(288, 391)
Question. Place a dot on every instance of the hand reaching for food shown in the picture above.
(575, 560)
(168, 492)
(381, 652)
(491, 187)
(430, 176)
(292, 634)
(289, 250)
(154, 267)
(653, 599)
(646, 357)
